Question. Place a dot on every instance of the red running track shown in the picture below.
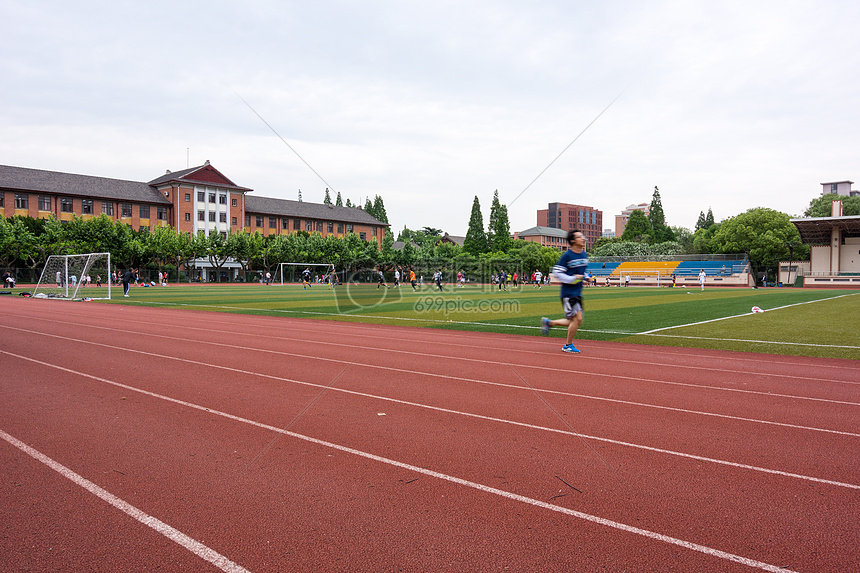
(139, 439)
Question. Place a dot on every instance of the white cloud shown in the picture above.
(730, 105)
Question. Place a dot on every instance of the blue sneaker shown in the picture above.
(570, 348)
(544, 325)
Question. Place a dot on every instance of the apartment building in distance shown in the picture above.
(198, 199)
(565, 216)
(621, 220)
(839, 188)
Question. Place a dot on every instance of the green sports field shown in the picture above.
(796, 321)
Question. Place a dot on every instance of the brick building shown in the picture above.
(621, 220)
(199, 199)
(566, 217)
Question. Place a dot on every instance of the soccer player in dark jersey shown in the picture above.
(570, 270)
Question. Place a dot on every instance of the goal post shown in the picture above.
(64, 277)
(292, 272)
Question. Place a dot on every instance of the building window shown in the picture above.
(44, 203)
(223, 217)
(67, 205)
(22, 201)
(309, 226)
(834, 187)
(126, 209)
(349, 228)
(161, 213)
(340, 228)
(87, 206)
(144, 211)
(187, 216)
(259, 221)
(211, 216)
(247, 220)
(297, 224)
(222, 199)
(363, 236)
(188, 197)
(233, 221)
(212, 198)
(107, 208)
(273, 223)
(330, 227)
(233, 202)
(2, 199)
(201, 196)
(285, 224)
(319, 226)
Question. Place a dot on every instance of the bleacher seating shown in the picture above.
(666, 268)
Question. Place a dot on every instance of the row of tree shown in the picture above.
(27, 243)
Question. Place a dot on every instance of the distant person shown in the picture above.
(268, 278)
(437, 278)
(702, 279)
(306, 278)
(412, 280)
(570, 270)
(538, 278)
(130, 275)
(380, 280)
(397, 278)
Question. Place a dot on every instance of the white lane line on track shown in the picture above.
(629, 349)
(438, 475)
(192, 545)
(449, 411)
(487, 382)
(536, 367)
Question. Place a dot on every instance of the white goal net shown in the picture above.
(292, 272)
(75, 277)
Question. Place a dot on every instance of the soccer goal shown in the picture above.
(292, 272)
(65, 277)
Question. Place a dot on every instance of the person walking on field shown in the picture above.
(130, 275)
(570, 271)
(702, 278)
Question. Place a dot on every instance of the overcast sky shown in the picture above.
(728, 105)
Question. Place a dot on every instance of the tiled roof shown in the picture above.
(305, 210)
(543, 231)
(36, 180)
(204, 174)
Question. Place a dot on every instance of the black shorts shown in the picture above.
(572, 306)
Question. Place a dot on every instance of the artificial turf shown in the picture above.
(805, 322)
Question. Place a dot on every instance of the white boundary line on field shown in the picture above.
(424, 471)
(502, 325)
(649, 332)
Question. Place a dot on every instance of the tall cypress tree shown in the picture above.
(491, 224)
(475, 242)
(502, 231)
(338, 202)
(700, 223)
(379, 209)
(709, 219)
(660, 232)
(327, 200)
